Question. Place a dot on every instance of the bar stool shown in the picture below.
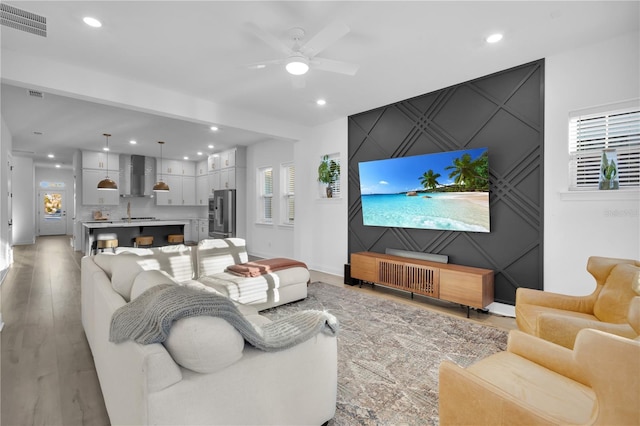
(144, 241)
(104, 241)
(175, 238)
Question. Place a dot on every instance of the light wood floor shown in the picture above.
(47, 372)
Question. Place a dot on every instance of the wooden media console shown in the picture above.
(466, 285)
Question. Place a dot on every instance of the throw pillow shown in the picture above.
(204, 344)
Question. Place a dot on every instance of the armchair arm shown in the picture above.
(600, 267)
(583, 304)
(545, 354)
(466, 399)
(563, 329)
(612, 366)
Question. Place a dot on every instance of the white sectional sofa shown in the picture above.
(204, 373)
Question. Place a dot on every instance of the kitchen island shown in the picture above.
(127, 231)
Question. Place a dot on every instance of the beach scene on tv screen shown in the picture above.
(446, 191)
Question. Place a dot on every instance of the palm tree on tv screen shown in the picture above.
(430, 179)
(470, 174)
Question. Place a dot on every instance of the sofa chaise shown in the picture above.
(204, 373)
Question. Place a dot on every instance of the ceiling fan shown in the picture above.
(300, 56)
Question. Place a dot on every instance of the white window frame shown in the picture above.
(287, 185)
(265, 198)
(611, 126)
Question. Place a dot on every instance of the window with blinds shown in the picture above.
(589, 133)
(288, 173)
(266, 195)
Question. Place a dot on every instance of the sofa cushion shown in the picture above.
(147, 279)
(214, 255)
(204, 344)
(174, 260)
(613, 301)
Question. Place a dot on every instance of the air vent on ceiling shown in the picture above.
(35, 93)
(22, 20)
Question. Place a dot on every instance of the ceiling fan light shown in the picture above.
(107, 184)
(297, 65)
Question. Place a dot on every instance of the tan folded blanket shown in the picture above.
(261, 267)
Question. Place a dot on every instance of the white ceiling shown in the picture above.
(201, 50)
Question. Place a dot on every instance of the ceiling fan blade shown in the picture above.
(324, 39)
(264, 64)
(334, 66)
(268, 38)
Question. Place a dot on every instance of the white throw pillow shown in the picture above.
(174, 260)
(147, 279)
(204, 344)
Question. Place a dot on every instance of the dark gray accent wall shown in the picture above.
(502, 111)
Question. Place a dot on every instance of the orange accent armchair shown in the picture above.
(537, 382)
(558, 318)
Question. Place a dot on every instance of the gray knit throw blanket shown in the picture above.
(148, 319)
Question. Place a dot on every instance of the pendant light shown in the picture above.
(107, 184)
(160, 186)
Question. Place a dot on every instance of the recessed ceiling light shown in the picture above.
(321, 102)
(50, 155)
(214, 128)
(132, 142)
(106, 148)
(210, 146)
(260, 66)
(494, 38)
(185, 158)
(199, 152)
(92, 22)
(57, 166)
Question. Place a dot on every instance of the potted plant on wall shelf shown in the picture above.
(328, 173)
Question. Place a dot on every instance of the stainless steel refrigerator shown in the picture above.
(222, 214)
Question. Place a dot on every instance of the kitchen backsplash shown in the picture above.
(142, 207)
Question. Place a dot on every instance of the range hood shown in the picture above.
(137, 175)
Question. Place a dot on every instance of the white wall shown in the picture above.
(274, 240)
(23, 201)
(5, 238)
(320, 237)
(575, 229)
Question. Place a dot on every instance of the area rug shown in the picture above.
(389, 354)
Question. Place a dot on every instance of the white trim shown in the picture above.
(619, 194)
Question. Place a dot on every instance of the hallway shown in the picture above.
(48, 376)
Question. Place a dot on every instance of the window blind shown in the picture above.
(590, 133)
(266, 195)
(289, 173)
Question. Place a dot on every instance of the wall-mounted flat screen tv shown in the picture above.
(445, 191)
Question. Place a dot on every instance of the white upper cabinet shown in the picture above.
(202, 168)
(178, 167)
(91, 195)
(99, 160)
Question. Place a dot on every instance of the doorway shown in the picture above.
(52, 214)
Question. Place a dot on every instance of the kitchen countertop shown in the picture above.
(127, 224)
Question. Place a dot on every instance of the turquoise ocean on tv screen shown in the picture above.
(445, 211)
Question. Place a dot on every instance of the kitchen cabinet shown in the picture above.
(202, 168)
(202, 190)
(224, 179)
(177, 167)
(182, 191)
(203, 229)
(91, 195)
(98, 160)
(213, 162)
(189, 190)
(174, 196)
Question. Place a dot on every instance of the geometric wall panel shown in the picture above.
(503, 112)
